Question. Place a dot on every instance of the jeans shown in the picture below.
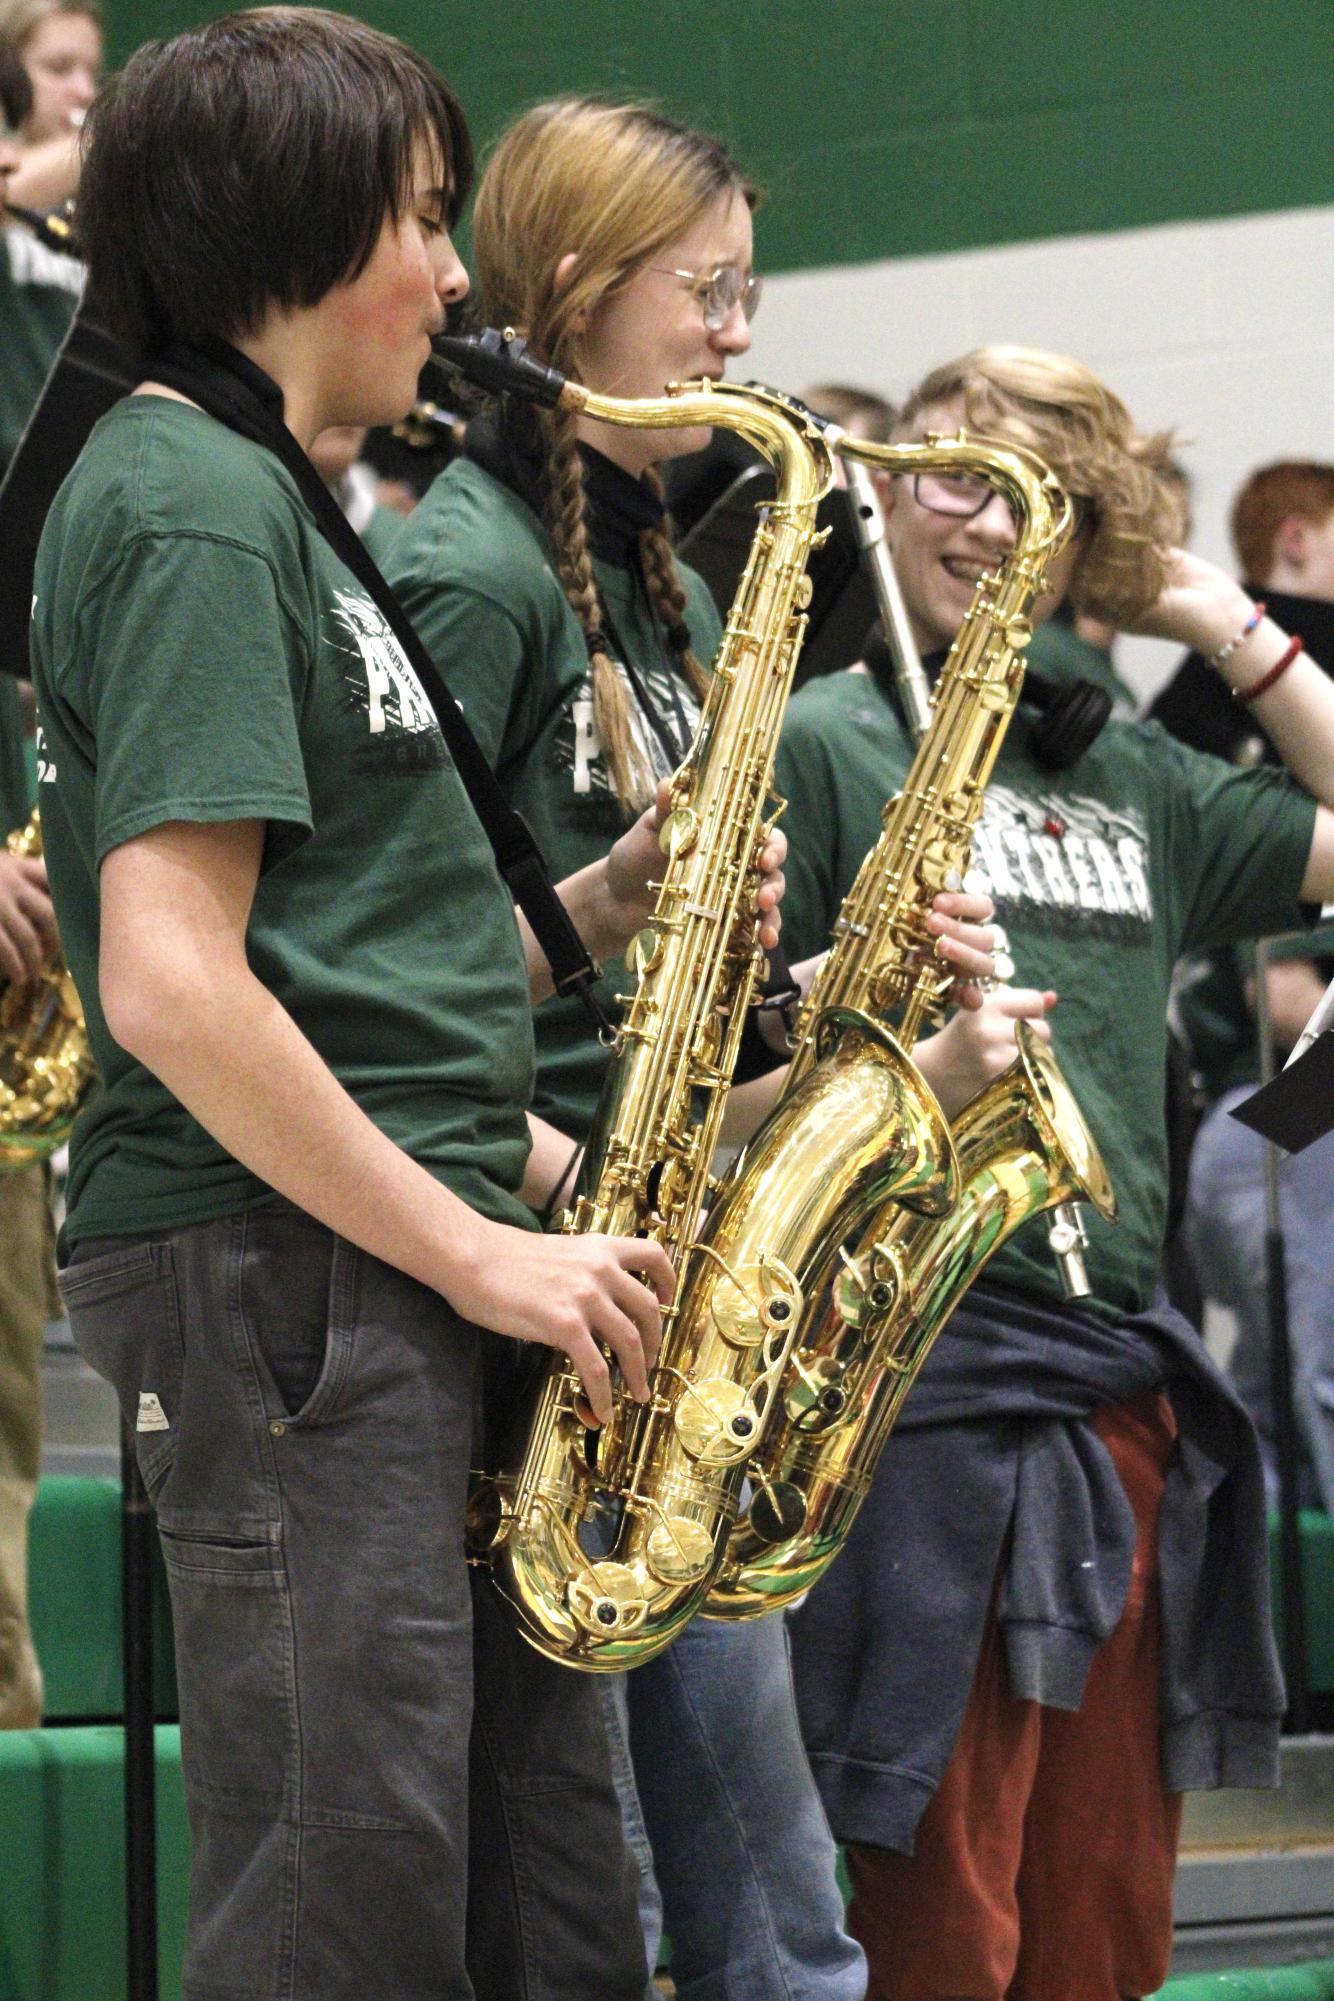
(353, 1714)
(742, 1851)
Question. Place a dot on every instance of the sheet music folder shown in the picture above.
(1295, 1108)
(842, 608)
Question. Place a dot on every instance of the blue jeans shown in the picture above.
(354, 1717)
(741, 1848)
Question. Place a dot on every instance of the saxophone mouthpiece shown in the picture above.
(500, 362)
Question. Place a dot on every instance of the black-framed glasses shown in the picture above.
(965, 494)
(720, 292)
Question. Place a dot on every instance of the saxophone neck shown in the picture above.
(793, 441)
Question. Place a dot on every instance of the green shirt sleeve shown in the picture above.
(804, 775)
(191, 682)
(1239, 842)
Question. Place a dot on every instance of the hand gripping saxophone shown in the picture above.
(662, 1482)
(46, 1066)
(874, 1308)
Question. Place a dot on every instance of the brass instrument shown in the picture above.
(666, 1478)
(46, 1066)
(877, 1304)
(55, 229)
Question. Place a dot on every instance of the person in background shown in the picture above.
(336, 457)
(27, 936)
(39, 288)
(860, 411)
(1282, 526)
(1052, 1614)
(1227, 1221)
(61, 50)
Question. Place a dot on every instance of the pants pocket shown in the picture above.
(124, 1314)
(234, 1657)
(298, 1299)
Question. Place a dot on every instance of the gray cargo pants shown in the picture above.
(351, 1711)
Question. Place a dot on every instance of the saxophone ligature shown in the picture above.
(605, 1541)
(46, 1065)
(876, 1305)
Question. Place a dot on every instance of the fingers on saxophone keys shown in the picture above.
(973, 906)
(594, 1374)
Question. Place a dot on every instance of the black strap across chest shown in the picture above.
(231, 389)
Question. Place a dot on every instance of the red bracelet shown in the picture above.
(1266, 681)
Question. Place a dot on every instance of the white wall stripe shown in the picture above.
(1221, 330)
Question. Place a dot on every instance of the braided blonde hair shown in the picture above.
(1072, 420)
(617, 183)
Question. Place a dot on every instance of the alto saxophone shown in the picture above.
(876, 1305)
(663, 1481)
(46, 1066)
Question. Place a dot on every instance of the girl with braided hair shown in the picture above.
(539, 571)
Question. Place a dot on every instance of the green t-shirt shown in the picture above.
(1057, 651)
(473, 566)
(15, 794)
(1101, 875)
(201, 654)
(39, 290)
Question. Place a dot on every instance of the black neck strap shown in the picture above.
(230, 388)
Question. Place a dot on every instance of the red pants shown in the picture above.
(1043, 1866)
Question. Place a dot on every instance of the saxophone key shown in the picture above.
(815, 1398)
(777, 1511)
(750, 1302)
(679, 1550)
(716, 1422)
(607, 1600)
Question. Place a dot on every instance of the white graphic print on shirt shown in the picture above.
(578, 747)
(383, 686)
(1081, 862)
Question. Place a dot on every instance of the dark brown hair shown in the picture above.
(251, 163)
(15, 89)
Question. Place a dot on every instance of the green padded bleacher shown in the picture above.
(1313, 1982)
(62, 1886)
(75, 1601)
(1318, 1576)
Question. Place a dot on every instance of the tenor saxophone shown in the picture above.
(875, 1306)
(604, 1541)
(46, 1065)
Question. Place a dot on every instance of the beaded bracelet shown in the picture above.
(1225, 653)
(1266, 681)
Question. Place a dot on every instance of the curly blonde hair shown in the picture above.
(616, 184)
(1083, 431)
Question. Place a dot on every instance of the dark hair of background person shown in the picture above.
(1268, 498)
(15, 89)
(860, 411)
(251, 163)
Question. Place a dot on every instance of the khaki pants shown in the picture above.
(25, 1264)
